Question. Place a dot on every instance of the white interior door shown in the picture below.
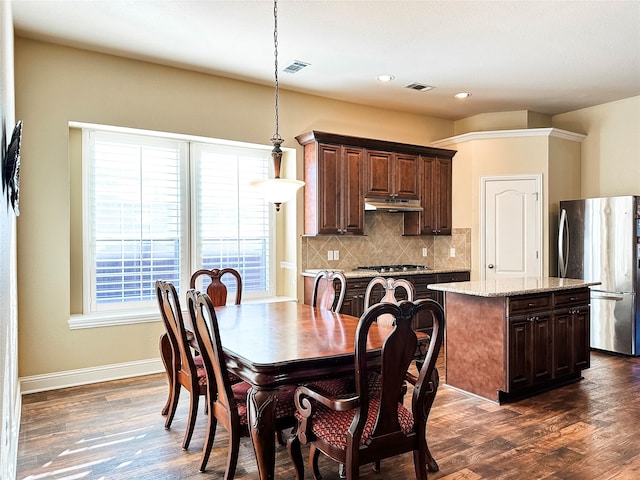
(511, 227)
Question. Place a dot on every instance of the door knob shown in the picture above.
(490, 265)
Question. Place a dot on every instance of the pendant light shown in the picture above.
(277, 190)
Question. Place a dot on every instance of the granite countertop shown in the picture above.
(511, 286)
(374, 273)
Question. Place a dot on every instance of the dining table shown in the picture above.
(279, 344)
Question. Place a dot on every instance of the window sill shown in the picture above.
(113, 319)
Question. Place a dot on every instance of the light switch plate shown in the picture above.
(424, 251)
(329, 254)
(336, 254)
(452, 252)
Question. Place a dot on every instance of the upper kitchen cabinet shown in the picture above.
(333, 195)
(339, 171)
(436, 196)
(392, 175)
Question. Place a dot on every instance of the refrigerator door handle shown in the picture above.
(607, 296)
(562, 231)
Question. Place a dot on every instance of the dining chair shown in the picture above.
(216, 289)
(183, 369)
(324, 297)
(389, 286)
(226, 402)
(365, 428)
(324, 290)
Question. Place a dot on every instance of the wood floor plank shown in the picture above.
(589, 430)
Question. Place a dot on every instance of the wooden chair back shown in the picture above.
(324, 290)
(222, 405)
(226, 401)
(183, 370)
(389, 286)
(216, 289)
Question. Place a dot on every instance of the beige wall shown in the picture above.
(611, 151)
(489, 157)
(517, 119)
(56, 85)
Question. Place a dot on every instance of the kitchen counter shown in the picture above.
(354, 274)
(511, 286)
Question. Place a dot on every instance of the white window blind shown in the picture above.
(232, 221)
(137, 217)
(161, 208)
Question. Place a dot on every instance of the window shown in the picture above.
(160, 208)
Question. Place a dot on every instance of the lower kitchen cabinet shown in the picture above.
(530, 356)
(572, 317)
(549, 343)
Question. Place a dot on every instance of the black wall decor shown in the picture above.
(11, 169)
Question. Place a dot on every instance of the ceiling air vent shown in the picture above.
(420, 87)
(296, 66)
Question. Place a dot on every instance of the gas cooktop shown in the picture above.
(392, 268)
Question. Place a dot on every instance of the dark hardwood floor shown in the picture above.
(585, 431)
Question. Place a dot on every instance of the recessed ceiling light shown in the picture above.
(462, 95)
(385, 78)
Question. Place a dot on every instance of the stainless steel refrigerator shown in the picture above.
(599, 240)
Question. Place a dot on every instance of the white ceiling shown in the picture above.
(545, 56)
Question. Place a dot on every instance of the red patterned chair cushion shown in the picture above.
(334, 387)
(284, 407)
(345, 386)
(332, 426)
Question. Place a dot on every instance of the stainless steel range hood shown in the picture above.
(392, 205)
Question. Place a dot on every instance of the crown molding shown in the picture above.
(521, 132)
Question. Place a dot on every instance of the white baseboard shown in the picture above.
(84, 376)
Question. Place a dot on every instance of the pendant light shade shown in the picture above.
(277, 190)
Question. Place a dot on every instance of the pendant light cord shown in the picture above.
(276, 136)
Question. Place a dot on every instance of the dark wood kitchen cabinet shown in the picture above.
(334, 203)
(572, 316)
(436, 196)
(392, 175)
(550, 342)
(339, 170)
(529, 341)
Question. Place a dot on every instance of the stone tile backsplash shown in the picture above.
(384, 244)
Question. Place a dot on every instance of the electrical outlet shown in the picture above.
(452, 252)
(336, 254)
(424, 251)
(329, 254)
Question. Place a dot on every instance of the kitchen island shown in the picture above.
(511, 338)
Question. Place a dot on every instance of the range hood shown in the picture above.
(392, 205)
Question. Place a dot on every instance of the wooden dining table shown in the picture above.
(272, 345)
